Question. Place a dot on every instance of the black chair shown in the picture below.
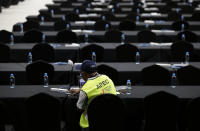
(101, 25)
(146, 36)
(72, 17)
(66, 36)
(71, 115)
(43, 112)
(160, 112)
(36, 70)
(177, 25)
(5, 36)
(106, 113)
(30, 25)
(188, 75)
(127, 25)
(33, 36)
(131, 16)
(189, 36)
(178, 50)
(126, 53)
(61, 25)
(109, 71)
(193, 115)
(43, 52)
(113, 36)
(195, 16)
(4, 53)
(86, 52)
(156, 75)
(173, 16)
(4, 116)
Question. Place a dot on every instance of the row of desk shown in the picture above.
(15, 100)
(149, 52)
(63, 75)
(89, 25)
(98, 36)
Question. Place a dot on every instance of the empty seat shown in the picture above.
(102, 25)
(33, 36)
(127, 25)
(146, 36)
(113, 36)
(66, 36)
(156, 75)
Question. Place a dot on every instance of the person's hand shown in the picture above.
(74, 90)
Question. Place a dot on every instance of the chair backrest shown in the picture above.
(71, 16)
(33, 36)
(160, 112)
(43, 112)
(195, 16)
(188, 75)
(193, 115)
(105, 113)
(60, 25)
(101, 25)
(131, 16)
(86, 52)
(113, 36)
(127, 25)
(146, 36)
(4, 53)
(66, 36)
(177, 25)
(189, 36)
(4, 116)
(36, 70)
(44, 52)
(29, 25)
(109, 71)
(126, 53)
(156, 75)
(47, 17)
(5, 36)
(178, 50)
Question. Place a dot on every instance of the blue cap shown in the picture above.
(88, 66)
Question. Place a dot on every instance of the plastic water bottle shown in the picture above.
(122, 38)
(21, 28)
(147, 26)
(128, 84)
(12, 39)
(52, 12)
(46, 80)
(12, 81)
(94, 57)
(113, 10)
(29, 58)
(182, 27)
(86, 38)
(63, 18)
(183, 36)
(89, 5)
(67, 26)
(77, 11)
(182, 17)
(107, 27)
(137, 19)
(117, 5)
(43, 38)
(187, 57)
(137, 58)
(81, 81)
(103, 17)
(138, 11)
(42, 19)
(173, 81)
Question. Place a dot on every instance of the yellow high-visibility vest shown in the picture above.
(101, 84)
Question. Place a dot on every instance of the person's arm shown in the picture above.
(82, 101)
